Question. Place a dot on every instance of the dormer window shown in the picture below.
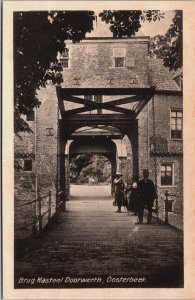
(119, 62)
(119, 55)
(65, 58)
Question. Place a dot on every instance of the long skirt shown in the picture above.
(119, 198)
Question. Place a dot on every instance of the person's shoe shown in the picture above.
(138, 223)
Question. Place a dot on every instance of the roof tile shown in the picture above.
(160, 76)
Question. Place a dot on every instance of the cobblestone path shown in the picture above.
(91, 240)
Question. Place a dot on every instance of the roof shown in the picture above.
(177, 73)
(160, 76)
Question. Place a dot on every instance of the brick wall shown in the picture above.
(24, 182)
(143, 140)
(173, 150)
(41, 147)
(91, 62)
(47, 144)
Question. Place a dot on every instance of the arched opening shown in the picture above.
(94, 153)
(90, 143)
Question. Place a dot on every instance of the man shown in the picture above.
(146, 196)
(119, 191)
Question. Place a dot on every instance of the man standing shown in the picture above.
(119, 191)
(146, 196)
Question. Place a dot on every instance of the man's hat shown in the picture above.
(146, 171)
(118, 174)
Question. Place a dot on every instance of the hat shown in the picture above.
(146, 171)
(118, 174)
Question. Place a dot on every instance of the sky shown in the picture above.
(158, 27)
(147, 29)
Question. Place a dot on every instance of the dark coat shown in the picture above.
(146, 192)
(133, 200)
(119, 192)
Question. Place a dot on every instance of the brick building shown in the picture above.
(114, 101)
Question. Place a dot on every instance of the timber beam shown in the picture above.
(106, 91)
(140, 95)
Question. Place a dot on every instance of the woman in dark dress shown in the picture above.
(133, 198)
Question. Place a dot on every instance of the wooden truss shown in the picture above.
(139, 96)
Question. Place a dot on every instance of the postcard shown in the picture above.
(98, 150)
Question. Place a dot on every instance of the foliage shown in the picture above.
(83, 166)
(169, 46)
(38, 36)
(125, 23)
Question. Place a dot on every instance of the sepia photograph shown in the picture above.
(98, 188)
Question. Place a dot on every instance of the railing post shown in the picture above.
(166, 207)
(64, 205)
(49, 212)
(39, 214)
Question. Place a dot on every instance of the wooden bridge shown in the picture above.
(91, 240)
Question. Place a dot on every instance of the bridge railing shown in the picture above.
(39, 215)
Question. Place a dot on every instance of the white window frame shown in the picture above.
(65, 58)
(173, 174)
(172, 109)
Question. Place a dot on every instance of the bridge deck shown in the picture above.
(91, 240)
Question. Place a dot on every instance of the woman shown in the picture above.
(119, 191)
(133, 198)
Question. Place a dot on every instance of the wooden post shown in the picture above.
(49, 203)
(39, 214)
(166, 207)
(64, 205)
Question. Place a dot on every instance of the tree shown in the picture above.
(38, 36)
(125, 23)
(169, 47)
(84, 165)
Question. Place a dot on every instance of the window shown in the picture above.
(30, 116)
(95, 98)
(119, 62)
(28, 165)
(65, 58)
(98, 99)
(167, 174)
(176, 124)
(119, 55)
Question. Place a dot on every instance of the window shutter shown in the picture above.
(130, 62)
(119, 52)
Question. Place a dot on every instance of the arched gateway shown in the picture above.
(105, 130)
